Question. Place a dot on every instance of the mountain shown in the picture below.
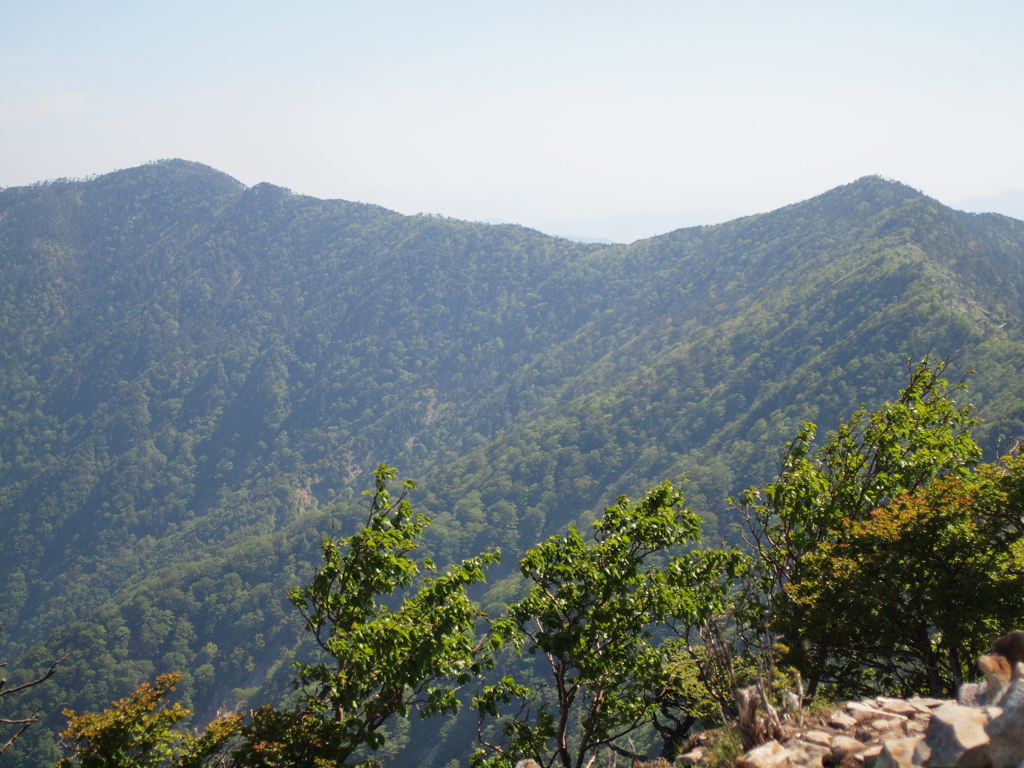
(197, 377)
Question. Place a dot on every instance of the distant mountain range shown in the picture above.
(1008, 204)
(630, 227)
(626, 227)
(197, 377)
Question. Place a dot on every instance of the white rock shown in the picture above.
(869, 755)
(921, 704)
(862, 712)
(804, 753)
(896, 706)
(692, 757)
(898, 753)
(886, 723)
(770, 755)
(821, 738)
(956, 738)
(841, 720)
(843, 746)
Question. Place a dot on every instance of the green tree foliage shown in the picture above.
(590, 612)
(138, 732)
(384, 660)
(195, 376)
(882, 559)
(918, 590)
(287, 739)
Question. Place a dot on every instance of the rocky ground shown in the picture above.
(984, 728)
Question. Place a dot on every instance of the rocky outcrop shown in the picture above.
(983, 728)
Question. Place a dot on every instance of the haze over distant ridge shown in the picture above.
(1008, 204)
(629, 227)
(625, 227)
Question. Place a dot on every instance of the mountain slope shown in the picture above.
(196, 378)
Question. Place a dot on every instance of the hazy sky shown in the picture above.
(523, 111)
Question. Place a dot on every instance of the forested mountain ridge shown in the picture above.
(196, 377)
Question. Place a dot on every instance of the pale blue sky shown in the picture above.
(523, 111)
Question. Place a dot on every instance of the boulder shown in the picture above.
(892, 735)
(917, 726)
(956, 738)
(869, 756)
(897, 706)
(821, 738)
(770, 755)
(972, 695)
(692, 757)
(861, 712)
(804, 753)
(898, 753)
(922, 705)
(841, 720)
(883, 724)
(1006, 731)
(998, 672)
(844, 746)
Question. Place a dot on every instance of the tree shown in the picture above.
(18, 725)
(382, 659)
(918, 590)
(871, 460)
(138, 732)
(276, 739)
(591, 611)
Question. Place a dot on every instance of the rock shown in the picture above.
(841, 720)
(886, 724)
(921, 705)
(527, 764)
(869, 755)
(866, 733)
(820, 738)
(770, 755)
(971, 695)
(999, 670)
(898, 753)
(844, 746)
(896, 706)
(862, 712)
(1006, 731)
(804, 753)
(892, 734)
(956, 738)
(692, 757)
(915, 727)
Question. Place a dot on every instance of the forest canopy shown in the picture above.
(197, 380)
(909, 560)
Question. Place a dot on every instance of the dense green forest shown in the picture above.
(197, 378)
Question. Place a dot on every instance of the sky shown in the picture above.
(526, 112)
